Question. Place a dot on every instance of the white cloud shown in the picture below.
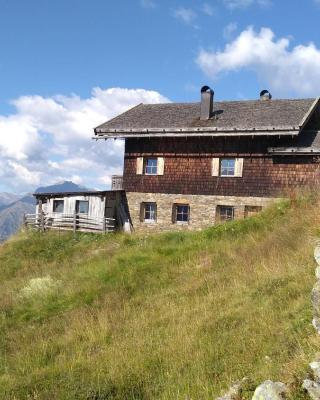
(285, 69)
(187, 15)
(233, 4)
(49, 139)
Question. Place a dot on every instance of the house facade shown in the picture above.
(191, 165)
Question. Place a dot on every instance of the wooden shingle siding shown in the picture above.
(188, 167)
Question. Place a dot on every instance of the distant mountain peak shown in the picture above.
(65, 186)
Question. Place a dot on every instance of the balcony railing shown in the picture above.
(116, 182)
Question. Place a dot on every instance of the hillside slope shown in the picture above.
(168, 316)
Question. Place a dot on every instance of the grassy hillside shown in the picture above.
(169, 316)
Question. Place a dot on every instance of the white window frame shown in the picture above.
(154, 212)
(146, 166)
(227, 175)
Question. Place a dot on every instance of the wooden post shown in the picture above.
(24, 221)
(74, 224)
(104, 225)
(41, 221)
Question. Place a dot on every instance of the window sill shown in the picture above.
(182, 222)
(149, 221)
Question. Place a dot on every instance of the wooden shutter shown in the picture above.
(155, 211)
(238, 168)
(160, 166)
(174, 213)
(139, 165)
(142, 208)
(215, 166)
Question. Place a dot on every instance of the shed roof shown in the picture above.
(66, 194)
(286, 116)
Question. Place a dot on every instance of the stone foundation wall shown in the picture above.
(202, 209)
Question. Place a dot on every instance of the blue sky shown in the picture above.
(68, 65)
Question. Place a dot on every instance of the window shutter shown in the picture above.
(215, 167)
(142, 207)
(139, 165)
(174, 213)
(155, 212)
(238, 168)
(160, 166)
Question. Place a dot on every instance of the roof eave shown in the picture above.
(294, 150)
(124, 134)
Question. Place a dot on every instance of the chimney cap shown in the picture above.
(206, 89)
(265, 95)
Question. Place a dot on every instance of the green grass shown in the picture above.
(165, 316)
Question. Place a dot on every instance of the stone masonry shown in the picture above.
(202, 209)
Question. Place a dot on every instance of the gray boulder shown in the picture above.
(315, 298)
(269, 390)
(313, 389)
(315, 366)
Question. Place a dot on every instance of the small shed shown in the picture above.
(83, 211)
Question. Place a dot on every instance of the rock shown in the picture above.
(269, 390)
(316, 324)
(317, 254)
(313, 389)
(315, 298)
(315, 366)
(318, 273)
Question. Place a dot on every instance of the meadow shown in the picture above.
(164, 316)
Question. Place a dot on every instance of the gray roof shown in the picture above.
(282, 116)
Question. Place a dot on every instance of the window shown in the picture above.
(151, 166)
(225, 213)
(58, 206)
(148, 212)
(181, 213)
(227, 167)
(82, 207)
(250, 211)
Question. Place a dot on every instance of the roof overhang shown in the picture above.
(210, 132)
(294, 150)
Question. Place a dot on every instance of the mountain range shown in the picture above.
(14, 206)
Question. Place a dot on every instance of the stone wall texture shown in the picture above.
(202, 209)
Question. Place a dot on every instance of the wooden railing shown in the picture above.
(74, 222)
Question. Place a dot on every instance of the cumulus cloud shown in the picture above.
(49, 139)
(285, 69)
